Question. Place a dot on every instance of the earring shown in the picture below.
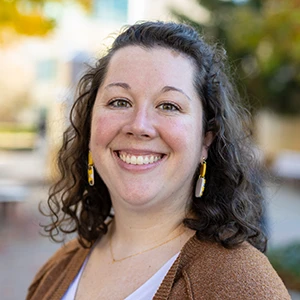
(90, 169)
(201, 180)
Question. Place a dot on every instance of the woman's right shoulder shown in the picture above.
(70, 256)
(65, 252)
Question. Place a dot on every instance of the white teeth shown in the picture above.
(133, 160)
(139, 160)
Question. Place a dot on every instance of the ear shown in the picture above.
(208, 139)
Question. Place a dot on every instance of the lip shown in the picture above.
(136, 152)
(141, 152)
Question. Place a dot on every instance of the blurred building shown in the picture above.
(39, 76)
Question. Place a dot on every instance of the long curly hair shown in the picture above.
(229, 212)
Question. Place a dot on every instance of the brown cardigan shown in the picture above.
(203, 270)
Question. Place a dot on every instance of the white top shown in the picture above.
(144, 292)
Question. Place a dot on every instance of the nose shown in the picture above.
(141, 124)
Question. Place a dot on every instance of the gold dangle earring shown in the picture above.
(201, 180)
(90, 169)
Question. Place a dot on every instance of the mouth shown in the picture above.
(139, 159)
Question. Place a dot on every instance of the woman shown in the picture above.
(150, 116)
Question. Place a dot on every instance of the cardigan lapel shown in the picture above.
(185, 256)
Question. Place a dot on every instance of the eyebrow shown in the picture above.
(172, 88)
(120, 84)
(165, 89)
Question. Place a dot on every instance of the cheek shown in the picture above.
(102, 129)
(184, 136)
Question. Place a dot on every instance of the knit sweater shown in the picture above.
(203, 270)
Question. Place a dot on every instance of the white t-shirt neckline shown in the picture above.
(145, 292)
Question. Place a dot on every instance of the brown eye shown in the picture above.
(168, 106)
(120, 103)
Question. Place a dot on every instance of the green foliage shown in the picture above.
(262, 38)
(286, 261)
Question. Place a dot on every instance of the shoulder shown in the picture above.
(64, 254)
(241, 273)
(69, 257)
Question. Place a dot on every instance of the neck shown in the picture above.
(136, 230)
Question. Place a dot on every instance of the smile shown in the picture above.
(139, 159)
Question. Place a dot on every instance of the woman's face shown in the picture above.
(146, 132)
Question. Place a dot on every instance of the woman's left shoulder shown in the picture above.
(243, 256)
(243, 271)
(247, 261)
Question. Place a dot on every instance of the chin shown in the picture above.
(141, 201)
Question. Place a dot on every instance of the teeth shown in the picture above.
(139, 160)
(133, 160)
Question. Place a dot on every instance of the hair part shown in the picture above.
(229, 212)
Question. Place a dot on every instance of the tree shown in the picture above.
(30, 17)
(262, 38)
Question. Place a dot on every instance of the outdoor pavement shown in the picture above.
(23, 250)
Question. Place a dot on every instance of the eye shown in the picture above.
(120, 103)
(169, 107)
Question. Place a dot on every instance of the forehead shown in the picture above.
(157, 61)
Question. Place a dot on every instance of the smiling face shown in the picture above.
(146, 132)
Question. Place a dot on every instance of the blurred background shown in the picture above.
(44, 48)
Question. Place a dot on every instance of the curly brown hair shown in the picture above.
(229, 212)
